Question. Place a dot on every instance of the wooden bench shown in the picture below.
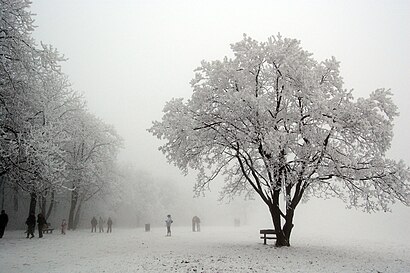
(267, 234)
(48, 229)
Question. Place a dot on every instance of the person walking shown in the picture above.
(94, 224)
(168, 223)
(31, 224)
(109, 225)
(101, 224)
(63, 226)
(41, 223)
(4, 219)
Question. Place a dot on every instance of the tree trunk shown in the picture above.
(281, 239)
(15, 199)
(288, 226)
(43, 204)
(73, 205)
(2, 191)
(33, 202)
(50, 207)
(77, 214)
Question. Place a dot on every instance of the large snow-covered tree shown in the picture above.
(276, 122)
(17, 67)
(49, 142)
(33, 97)
(48, 139)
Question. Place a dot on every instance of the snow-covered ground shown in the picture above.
(222, 249)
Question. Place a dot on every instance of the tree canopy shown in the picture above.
(274, 121)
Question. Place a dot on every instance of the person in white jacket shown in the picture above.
(168, 223)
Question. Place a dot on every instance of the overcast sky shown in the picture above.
(129, 57)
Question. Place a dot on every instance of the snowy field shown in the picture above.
(213, 249)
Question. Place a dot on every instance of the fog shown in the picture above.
(130, 57)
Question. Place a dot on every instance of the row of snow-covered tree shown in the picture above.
(49, 141)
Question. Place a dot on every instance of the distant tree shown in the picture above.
(140, 195)
(276, 122)
(90, 154)
(139, 198)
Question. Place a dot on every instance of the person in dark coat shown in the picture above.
(4, 219)
(31, 224)
(94, 225)
(109, 225)
(41, 223)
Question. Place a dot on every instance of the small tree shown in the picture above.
(274, 121)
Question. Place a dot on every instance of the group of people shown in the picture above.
(195, 224)
(31, 224)
(100, 224)
(42, 224)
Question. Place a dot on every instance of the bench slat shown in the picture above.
(267, 231)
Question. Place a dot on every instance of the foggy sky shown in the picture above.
(129, 57)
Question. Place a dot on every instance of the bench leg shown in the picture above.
(264, 239)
